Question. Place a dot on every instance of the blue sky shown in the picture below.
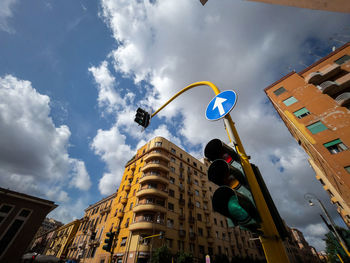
(72, 74)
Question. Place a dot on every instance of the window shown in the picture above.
(279, 91)
(123, 242)
(215, 222)
(221, 223)
(196, 192)
(301, 113)
(342, 60)
(335, 146)
(131, 204)
(316, 127)
(159, 144)
(201, 250)
(173, 159)
(347, 168)
(219, 249)
(200, 231)
(210, 251)
(5, 211)
(199, 217)
(181, 245)
(198, 204)
(191, 247)
(13, 230)
(172, 180)
(171, 206)
(169, 242)
(210, 188)
(173, 150)
(217, 234)
(172, 169)
(127, 222)
(195, 164)
(290, 101)
(196, 182)
(170, 223)
(171, 193)
(223, 236)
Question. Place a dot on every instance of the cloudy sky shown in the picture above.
(72, 74)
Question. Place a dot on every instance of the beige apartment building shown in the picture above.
(163, 189)
(315, 106)
(89, 234)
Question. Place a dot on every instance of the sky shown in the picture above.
(73, 73)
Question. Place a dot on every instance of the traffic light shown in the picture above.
(142, 117)
(108, 241)
(161, 235)
(233, 198)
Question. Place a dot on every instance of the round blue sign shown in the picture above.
(221, 105)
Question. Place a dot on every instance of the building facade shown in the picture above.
(165, 189)
(20, 218)
(59, 244)
(89, 234)
(314, 105)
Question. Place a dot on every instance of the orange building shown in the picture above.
(314, 105)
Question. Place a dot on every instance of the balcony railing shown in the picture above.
(323, 74)
(343, 99)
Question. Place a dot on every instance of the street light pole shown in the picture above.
(309, 197)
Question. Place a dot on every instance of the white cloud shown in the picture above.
(34, 158)
(170, 44)
(6, 13)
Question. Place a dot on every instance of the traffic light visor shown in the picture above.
(216, 149)
(221, 173)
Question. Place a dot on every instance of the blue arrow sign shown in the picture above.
(221, 105)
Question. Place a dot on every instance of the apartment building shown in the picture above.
(89, 236)
(59, 244)
(315, 106)
(165, 189)
(20, 218)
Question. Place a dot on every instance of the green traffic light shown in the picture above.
(236, 210)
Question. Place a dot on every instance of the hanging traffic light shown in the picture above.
(108, 241)
(233, 198)
(142, 117)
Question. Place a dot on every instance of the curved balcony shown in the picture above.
(343, 99)
(155, 166)
(133, 167)
(149, 207)
(124, 200)
(152, 191)
(323, 74)
(155, 155)
(105, 210)
(152, 177)
(328, 87)
(127, 187)
(146, 225)
(120, 214)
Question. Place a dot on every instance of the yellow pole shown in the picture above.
(341, 260)
(271, 241)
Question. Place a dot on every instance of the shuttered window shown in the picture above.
(316, 127)
(290, 101)
(279, 91)
(335, 146)
(342, 60)
(301, 113)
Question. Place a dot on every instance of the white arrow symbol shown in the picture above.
(218, 104)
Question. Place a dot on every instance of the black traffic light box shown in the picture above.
(142, 117)
(108, 241)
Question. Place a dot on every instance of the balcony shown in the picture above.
(334, 200)
(120, 214)
(181, 189)
(206, 211)
(146, 225)
(189, 193)
(343, 99)
(133, 167)
(153, 178)
(149, 207)
(155, 166)
(323, 74)
(155, 155)
(105, 210)
(182, 233)
(192, 235)
(182, 201)
(181, 178)
(124, 200)
(191, 220)
(152, 191)
(127, 187)
(190, 205)
(182, 217)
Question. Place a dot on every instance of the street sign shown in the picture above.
(221, 105)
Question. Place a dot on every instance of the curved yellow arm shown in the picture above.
(195, 84)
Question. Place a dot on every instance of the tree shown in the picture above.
(162, 255)
(183, 257)
(333, 248)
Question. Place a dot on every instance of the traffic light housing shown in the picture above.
(233, 198)
(142, 117)
(108, 241)
(161, 235)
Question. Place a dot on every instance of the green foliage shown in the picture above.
(161, 255)
(333, 248)
(183, 257)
